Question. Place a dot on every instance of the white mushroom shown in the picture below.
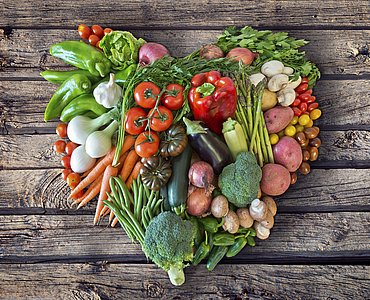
(286, 96)
(294, 84)
(272, 67)
(256, 78)
(288, 70)
(277, 82)
(261, 231)
(258, 210)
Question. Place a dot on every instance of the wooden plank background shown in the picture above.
(319, 247)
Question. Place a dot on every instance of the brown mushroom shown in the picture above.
(231, 222)
(258, 210)
(268, 222)
(261, 231)
(271, 204)
(245, 218)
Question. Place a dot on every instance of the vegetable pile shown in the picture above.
(184, 153)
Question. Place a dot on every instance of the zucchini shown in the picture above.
(177, 187)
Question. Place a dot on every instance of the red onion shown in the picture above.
(243, 54)
(201, 174)
(150, 52)
(210, 52)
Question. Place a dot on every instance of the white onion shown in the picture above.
(81, 161)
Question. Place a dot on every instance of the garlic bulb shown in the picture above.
(108, 93)
(99, 142)
(81, 161)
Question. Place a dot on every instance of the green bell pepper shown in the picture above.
(82, 56)
(71, 88)
(81, 105)
(59, 77)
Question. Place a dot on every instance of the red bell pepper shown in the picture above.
(212, 99)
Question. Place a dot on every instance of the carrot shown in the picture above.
(111, 216)
(78, 200)
(98, 169)
(122, 161)
(104, 189)
(114, 223)
(134, 174)
(128, 143)
(88, 171)
(94, 192)
(129, 164)
(104, 211)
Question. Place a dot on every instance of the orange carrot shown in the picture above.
(78, 200)
(94, 192)
(104, 211)
(134, 174)
(122, 161)
(128, 143)
(98, 170)
(104, 189)
(111, 216)
(129, 164)
(114, 223)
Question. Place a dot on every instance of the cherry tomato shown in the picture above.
(65, 173)
(107, 30)
(93, 39)
(78, 195)
(66, 161)
(73, 180)
(161, 119)
(308, 92)
(304, 97)
(302, 88)
(312, 106)
(70, 147)
(59, 146)
(147, 144)
(62, 130)
(311, 99)
(296, 102)
(304, 80)
(297, 111)
(303, 107)
(134, 116)
(84, 31)
(173, 98)
(98, 31)
(146, 93)
(198, 79)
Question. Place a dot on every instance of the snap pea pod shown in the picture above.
(223, 239)
(217, 253)
(238, 245)
(59, 77)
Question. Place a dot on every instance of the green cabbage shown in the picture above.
(121, 48)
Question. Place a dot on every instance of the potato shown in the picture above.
(288, 153)
(278, 118)
(275, 179)
(269, 99)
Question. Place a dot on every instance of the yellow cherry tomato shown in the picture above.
(294, 120)
(274, 138)
(304, 119)
(315, 114)
(281, 133)
(290, 130)
(299, 128)
(309, 124)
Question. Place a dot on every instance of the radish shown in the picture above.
(201, 175)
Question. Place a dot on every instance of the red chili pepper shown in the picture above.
(212, 99)
(312, 106)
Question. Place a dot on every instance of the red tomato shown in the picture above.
(297, 111)
(161, 119)
(73, 180)
(107, 31)
(173, 98)
(311, 99)
(59, 146)
(65, 173)
(93, 39)
(302, 88)
(70, 147)
(304, 97)
(312, 106)
(303, 107)
(62, 130)
(304, 80)
(296, 102)
(84, 31)
(98, 31)
(147, 144)
(66, 161)
(146, 94)
(308, 92)
(133, 117)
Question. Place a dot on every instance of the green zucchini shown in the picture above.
(177, 187)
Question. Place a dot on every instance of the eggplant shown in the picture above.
(208, 145)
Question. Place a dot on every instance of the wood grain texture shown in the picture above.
(339, 148)
(112, 281)
(321, 190)
(310, 237)
(335, 52)
(344, 104)
(182, 14)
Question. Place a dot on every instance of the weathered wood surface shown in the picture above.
(310, 237)
(187, 15)
(339, 52)
(127, 281)
(321, 190)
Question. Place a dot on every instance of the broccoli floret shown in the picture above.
(169, 244)
(239, 181)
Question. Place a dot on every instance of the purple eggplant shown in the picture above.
(208, 145)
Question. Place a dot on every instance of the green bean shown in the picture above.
(124, 190)
(144, 220)
(157, 206)
(134, 189)
(139, 198)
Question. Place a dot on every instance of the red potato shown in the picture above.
(275, 179)
(288, 153)
(198, 202)
(277, 118)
